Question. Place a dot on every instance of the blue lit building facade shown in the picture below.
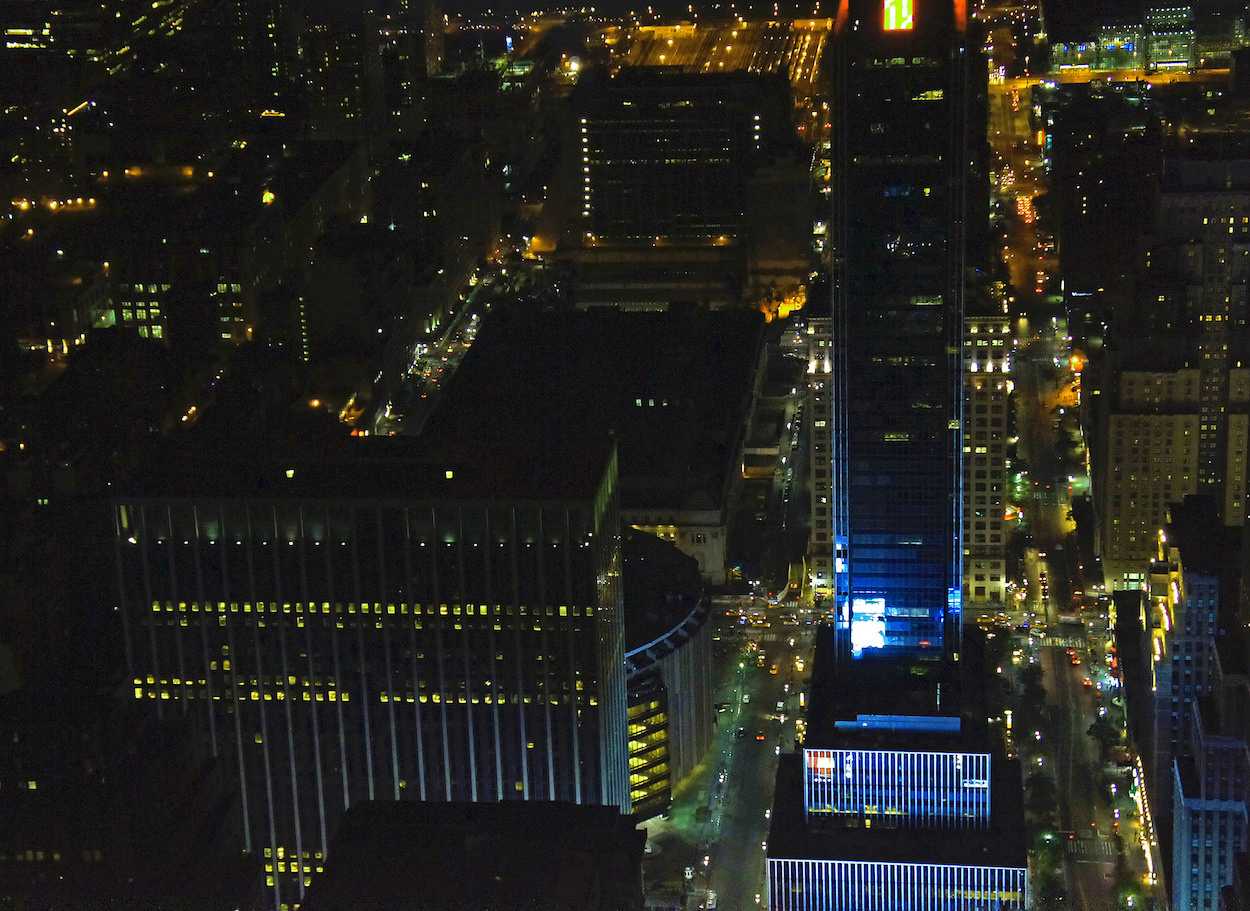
(901, 147)
(828, 885)
(898, 787)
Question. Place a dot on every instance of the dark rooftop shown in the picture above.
(661, 587)
(674, 386)
(482, 856)
(1002, 844)
(339, 466)
(929, 693)
(1207, 546)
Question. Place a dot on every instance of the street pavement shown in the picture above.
(718, 821)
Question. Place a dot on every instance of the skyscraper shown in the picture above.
(902, 147)
(370, 622)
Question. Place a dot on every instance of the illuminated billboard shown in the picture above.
(898, 15)
(867, 624)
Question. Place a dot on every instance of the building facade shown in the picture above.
(668, 658)
(1209, 813)
(1150, 460)
(988, 346)
(667, 155)
(819, 885)
(895, 786)
(441, 640)
(902, 140)
(819, 371)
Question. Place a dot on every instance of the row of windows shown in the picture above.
(344, 696)
(376, 607)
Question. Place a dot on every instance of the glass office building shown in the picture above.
(901, 157)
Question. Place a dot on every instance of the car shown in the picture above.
(759, 735)
(1087, 683)
(740, 733)
(1076, 661)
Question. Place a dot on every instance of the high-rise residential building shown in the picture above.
(905, 129)
(350, 622)
(1179, 422)
(1198, 269)
(1148, 459)
(988, 346)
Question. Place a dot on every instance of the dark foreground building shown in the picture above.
(904, 142)
(357, 620)
(482, 857)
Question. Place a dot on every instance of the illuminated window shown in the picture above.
(897, 15)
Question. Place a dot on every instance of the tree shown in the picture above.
(1041, 796)
(1105, 733)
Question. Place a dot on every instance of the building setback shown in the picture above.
(373, 623)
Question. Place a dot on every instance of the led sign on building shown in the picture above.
(867, 624)
(897, 15)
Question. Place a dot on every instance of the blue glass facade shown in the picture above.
(900, 164)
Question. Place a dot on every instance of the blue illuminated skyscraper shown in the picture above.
(903, 144)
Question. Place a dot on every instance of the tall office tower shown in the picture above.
(1212, 788)
(348, 623)
(988, 346)
(903, 139)
(1199, 267)
(1193, 598)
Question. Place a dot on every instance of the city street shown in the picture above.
(1099, 830)
(719, 818)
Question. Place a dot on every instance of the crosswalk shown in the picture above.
(1060, 642)
(1102, 846)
